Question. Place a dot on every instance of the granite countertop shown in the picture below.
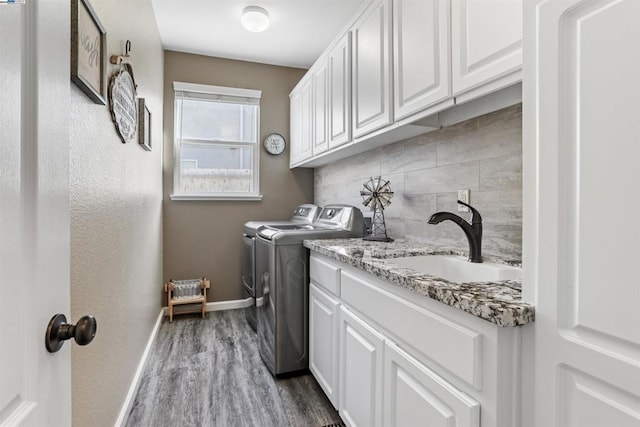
(497, 302)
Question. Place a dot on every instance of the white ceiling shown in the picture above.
(300, 29)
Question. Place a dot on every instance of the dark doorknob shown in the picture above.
(58, 331)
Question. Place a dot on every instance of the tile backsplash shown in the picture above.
(483, 154)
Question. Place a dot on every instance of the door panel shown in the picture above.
(421, 62)
(415, 395)
(582, 152)
(371, 65)
(323, 341)
(320, 78)
(486, 41)
(360, 372)
(339, 63)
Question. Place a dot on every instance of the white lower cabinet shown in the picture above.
(414, 395)
(360, 372)
(387, 356)
(323, 341)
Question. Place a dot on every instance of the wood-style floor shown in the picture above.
(207, 372)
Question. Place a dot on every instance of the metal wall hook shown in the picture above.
(120, 59)
(58, 331)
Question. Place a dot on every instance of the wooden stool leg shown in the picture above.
(170, 312)
(204, 299)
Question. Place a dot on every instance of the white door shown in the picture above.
(582, 232)
(35, 385)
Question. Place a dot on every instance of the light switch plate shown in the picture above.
(463, 196)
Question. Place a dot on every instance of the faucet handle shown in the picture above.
(476, 218)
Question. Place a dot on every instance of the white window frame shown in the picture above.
(213, 93)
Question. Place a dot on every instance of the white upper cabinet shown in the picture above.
(339, 65)
(400, 63)
(422, 58)
(300, 117)
(371, 69)
(320, 78)
(295, 126)
(486, 40)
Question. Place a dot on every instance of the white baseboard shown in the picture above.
(135, 383)
(211, 306)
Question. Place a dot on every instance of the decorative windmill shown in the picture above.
(376, 194)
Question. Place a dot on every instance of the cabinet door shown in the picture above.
(582, 99)
(323, 341)
(414, 395)
(339, 63)
(360, 372)
(421, 61)
(295, 126)
(300, 118)
(371, 69)
(306, 108)
(486, 40)
(320, 79)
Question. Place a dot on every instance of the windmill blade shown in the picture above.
(386, 199)
(378, 183)
(384, 187)
(365, 193)
(374, 204)
(367, 201)
(369, 185)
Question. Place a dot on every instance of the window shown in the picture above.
(216, 143)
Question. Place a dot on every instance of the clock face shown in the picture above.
(274, 144)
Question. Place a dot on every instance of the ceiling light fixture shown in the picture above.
(255, 19)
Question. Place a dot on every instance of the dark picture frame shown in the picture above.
(88, 51)
(144, 125)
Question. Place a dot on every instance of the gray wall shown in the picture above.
(116, 223)
(203, 238)
(483, 154)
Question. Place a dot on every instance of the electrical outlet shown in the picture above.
(463, 196)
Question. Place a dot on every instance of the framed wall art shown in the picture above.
(88, 51)
(123, 103)
(144, 125)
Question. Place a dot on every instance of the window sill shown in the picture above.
(227, 197)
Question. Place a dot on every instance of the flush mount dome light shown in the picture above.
(255, 19)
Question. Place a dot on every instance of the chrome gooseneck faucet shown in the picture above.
(472, 230)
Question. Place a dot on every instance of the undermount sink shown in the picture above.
(458, 269)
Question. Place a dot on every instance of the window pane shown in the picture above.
(218, 121)
(215, 168)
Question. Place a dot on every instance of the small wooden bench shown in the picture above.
(193, 291)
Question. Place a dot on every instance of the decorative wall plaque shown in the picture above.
(122, 103)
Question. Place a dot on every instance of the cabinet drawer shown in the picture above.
(453, 346)
(324, 275)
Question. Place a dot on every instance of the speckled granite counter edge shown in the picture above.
(496, 302)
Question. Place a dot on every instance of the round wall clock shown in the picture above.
(274, 144)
